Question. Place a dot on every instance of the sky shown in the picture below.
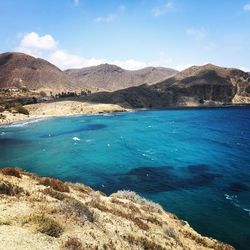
(129, 33)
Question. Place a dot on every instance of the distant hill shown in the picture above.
(21, 70)
(111, 77)
(196, 86)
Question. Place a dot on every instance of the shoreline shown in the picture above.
(60, 109)
(68, 108)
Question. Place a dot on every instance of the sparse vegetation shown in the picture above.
(75, 208)
(55, 194)
(43, 94)
(73, 243)
(116, 212)
(45, 224)
(55, 184)
(17, 107)
(2, 117)
(9, 189)
(11, 171)
(22, 110)
(134, 197)
(144, 243)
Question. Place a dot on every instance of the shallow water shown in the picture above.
(195, 163)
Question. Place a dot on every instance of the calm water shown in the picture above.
(195, 163)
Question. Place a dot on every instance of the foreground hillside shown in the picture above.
(207, 85)
(111, 77)
(45, 213)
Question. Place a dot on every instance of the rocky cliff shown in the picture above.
(206, 85)
(45, 213)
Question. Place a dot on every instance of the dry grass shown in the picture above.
(5, 222)
(54, 194)
(9, 189)
(74, 208)
(11, 172)
(72, 243)
(121, 214)
(147, 205)
(45, 224)
(54, 183)
(143, 243)
(203, 242)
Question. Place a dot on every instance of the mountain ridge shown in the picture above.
(112, 77)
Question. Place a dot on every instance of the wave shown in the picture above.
(23, 123)
(234, 200)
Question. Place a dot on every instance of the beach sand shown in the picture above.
(62, 108)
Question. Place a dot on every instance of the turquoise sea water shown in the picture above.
(194, 162)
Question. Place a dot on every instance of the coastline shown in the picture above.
(60, 109)
(69, 108)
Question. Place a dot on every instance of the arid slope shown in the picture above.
(44, 213)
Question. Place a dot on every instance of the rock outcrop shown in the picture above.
(207, 85)
(45, 213)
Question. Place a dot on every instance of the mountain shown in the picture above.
(21, 70)
(45, 213)
(111, 77)
(196, 86)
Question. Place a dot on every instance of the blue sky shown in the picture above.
(130, 33)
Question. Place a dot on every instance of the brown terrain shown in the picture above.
(207, 85)
(44, 213)
(111, 77)
(20, 70)
(27, 80)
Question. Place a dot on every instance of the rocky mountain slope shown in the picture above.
(111, 77)
(206, 85)
(45, 213)
(21, 70)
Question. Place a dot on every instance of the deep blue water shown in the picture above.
(195, 163)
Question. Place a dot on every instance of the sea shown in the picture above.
(194, 162)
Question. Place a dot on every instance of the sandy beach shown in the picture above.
(63, 108)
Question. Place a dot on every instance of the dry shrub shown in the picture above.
(116, 201)
(54, 194)
(143, 243)
(216, 245)
(9, 189)
(119, 213)
(54, 183)
(155, 221)
(147, 205)
(170, 232)
(72, 207)
(73, 243)
(11, 172)
(82, 188)
(45, 224)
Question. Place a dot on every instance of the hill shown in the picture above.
(111, 77)
(21, 70)
(45, 213)
(206, 85)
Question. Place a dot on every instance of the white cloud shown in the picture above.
(197, 34)
(47, 47)
(246, 7)
(34, 44)
(163, 9)
(111, 17)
